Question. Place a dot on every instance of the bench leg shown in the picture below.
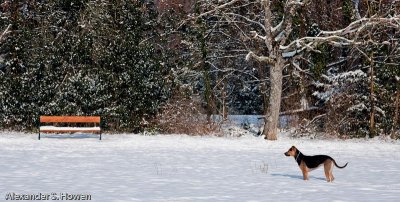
(39, 135)
(100, 135)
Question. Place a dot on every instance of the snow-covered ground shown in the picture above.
(183, 168)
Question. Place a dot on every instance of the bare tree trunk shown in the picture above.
(396, 114)
(263, 87)
(356, 11)
(208, 94)
(208, 97)
(265, 98)
(371, 98)
(274, 105)
(224, 103)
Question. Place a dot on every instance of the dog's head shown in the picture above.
(291, 152)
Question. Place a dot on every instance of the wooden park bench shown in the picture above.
(69, 124)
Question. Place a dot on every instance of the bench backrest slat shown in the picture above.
(69, 119)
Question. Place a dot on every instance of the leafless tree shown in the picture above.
(281, 50)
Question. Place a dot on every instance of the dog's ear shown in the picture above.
(293, 148)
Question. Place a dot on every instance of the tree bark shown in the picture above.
(372, 101)
(274, 105)
(224, 103)
(396, 114)
(263, 86)
(356, 11)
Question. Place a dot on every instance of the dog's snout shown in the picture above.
(286, 154)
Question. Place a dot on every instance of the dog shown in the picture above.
(309, 163)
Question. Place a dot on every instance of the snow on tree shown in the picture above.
(80, 58)
(282, 47)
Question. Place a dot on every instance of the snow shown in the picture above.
(326, 95)
(248, 56)
(351, 76)
(358, 107)
(289, 54)
(128, 167)
(336, 83)
(50, 128)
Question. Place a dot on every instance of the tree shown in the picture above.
(81, 58)
(283, 46)
(217, 68)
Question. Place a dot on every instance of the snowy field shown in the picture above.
(183, 168)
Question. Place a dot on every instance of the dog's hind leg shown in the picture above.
(327, 175)
(328, 170)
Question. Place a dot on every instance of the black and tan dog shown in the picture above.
(309, 163)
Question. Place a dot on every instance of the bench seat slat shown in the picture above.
(54, 129)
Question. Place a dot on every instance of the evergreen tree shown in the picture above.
(81, 58)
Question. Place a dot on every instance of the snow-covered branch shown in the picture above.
(342, 37)
(217, 8)
(261, 59)
(6, 31)
(309, 41)
(363, 23)
(275, 30)
(297, 111)
(255, 35)
(284, 28)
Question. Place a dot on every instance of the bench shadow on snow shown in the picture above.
(71, 136)
(296, 176)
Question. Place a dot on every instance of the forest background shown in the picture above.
(171, 66)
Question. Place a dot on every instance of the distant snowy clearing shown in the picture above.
(183, 168)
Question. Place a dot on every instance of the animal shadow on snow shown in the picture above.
(296, 176)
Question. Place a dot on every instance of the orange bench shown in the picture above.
(68, 120)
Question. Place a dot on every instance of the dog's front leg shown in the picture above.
(305, 175)
(304, 171)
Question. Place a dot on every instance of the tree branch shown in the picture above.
(248, 20)
(217, 8)
(261, 59)
(268, 23)
(285, 27)
(338, 38)
(6, 31)
(309, 41)
(361, 24)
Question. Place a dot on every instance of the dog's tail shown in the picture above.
(340, 166)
